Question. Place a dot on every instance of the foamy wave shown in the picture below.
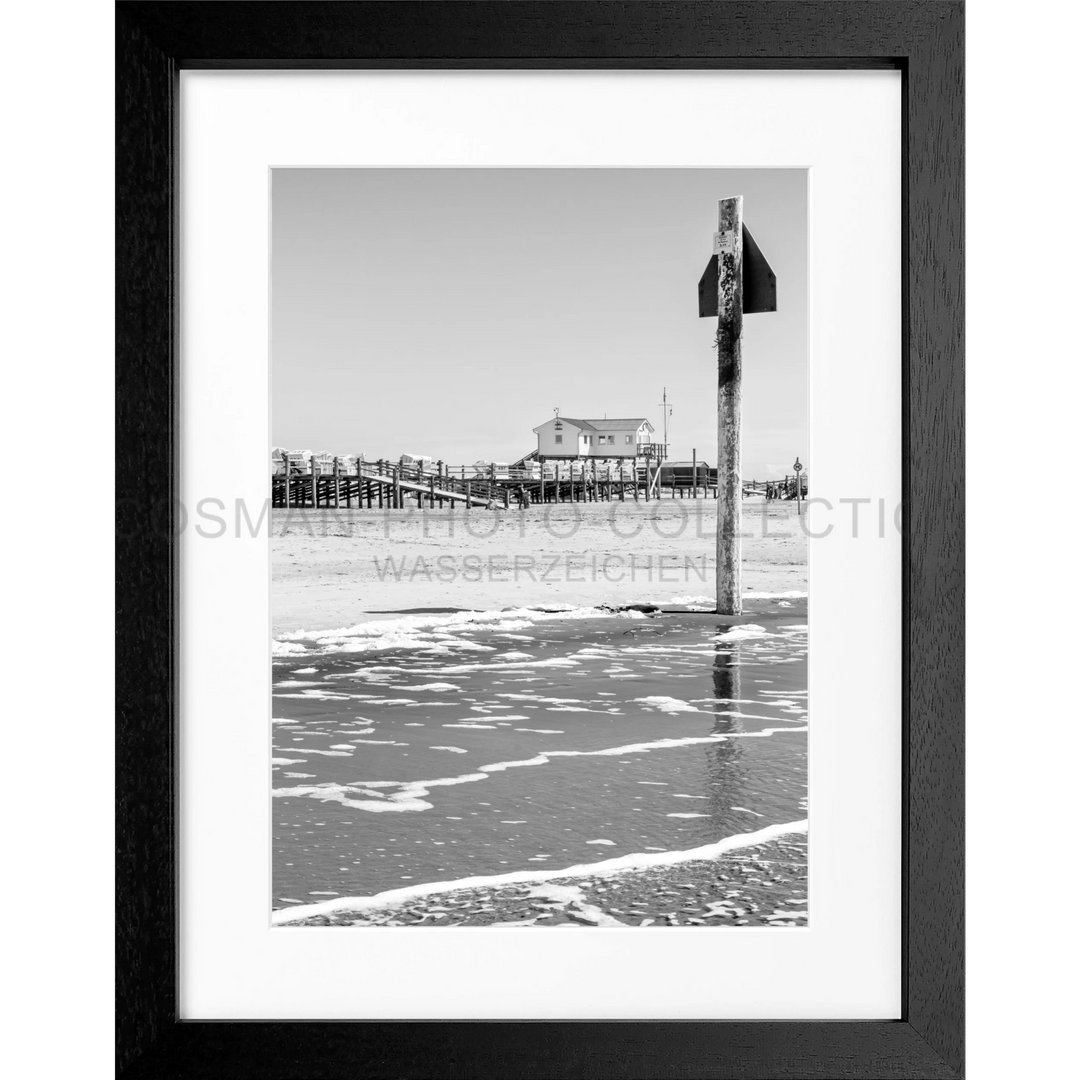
(429, 633)
(325, 753)
(667, 704)
(620, 865)
(411, 794)
(745, 632)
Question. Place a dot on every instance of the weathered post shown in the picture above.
(288, 478)
(314, 483)
(728, 246)
(695, 473)
(737, 281)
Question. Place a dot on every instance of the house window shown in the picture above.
(588, 439)
(629, 438)
(558, 438)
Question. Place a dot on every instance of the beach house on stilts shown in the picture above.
(563, 438)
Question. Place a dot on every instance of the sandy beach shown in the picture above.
(334, 568)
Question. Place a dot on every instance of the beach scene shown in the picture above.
(511, 684)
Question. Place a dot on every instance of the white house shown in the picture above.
(562, 437)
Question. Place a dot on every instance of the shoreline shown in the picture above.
(755, 886)
(333, 596)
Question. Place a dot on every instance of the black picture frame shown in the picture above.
(924, 40)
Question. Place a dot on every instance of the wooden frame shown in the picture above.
(924, 40)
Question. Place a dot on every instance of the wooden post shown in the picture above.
(594, 491)
(288, 480)
(622, 480)
(314, 484)
(729, 408)
(438, 467)
(695, 473)
(468, 492)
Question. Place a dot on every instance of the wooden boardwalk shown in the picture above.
(385, 485)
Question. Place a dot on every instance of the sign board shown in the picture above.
(723, 243)
(759, 281)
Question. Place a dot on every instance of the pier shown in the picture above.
(349, 483)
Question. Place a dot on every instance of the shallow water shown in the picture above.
(479, 745)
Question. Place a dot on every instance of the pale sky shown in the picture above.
(449, 311)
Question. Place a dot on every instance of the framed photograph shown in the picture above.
(540, 552)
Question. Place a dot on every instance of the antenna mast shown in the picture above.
(666, 412)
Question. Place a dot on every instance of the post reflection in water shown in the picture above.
(723, 758)
(726, 683)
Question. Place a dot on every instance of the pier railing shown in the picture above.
(323, 480)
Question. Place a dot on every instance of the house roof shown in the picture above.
(618, 425)
(600, 425)
(684, 465)
(583, 424)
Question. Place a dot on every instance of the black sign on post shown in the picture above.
(759, 282)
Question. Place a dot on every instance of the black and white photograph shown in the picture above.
(525, 417)
(539, 556)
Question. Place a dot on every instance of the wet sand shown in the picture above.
(761, 886)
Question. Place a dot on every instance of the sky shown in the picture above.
(450, 311)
